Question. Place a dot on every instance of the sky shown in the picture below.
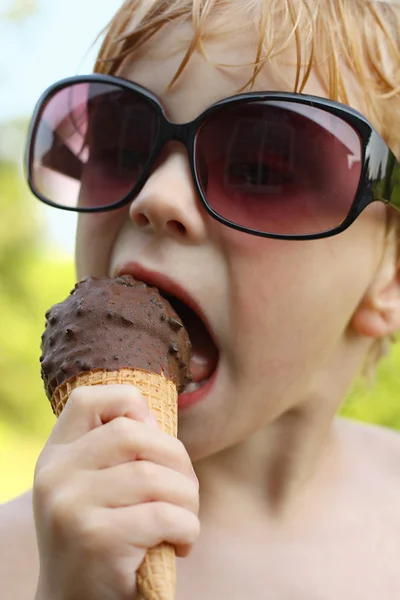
(54, 43)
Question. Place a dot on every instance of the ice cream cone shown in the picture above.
(119, 330)
(156, 578)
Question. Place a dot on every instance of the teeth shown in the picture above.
(193, 386)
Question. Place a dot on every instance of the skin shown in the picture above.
(293, 321)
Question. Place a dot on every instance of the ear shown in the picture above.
(378, 314)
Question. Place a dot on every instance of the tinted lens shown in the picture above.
(279, 167)
(91, 144)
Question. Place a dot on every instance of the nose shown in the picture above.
(168, 203)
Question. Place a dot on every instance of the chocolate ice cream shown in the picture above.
(113, 324)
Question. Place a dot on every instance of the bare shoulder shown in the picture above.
(361, 536)
(378, 444)
(373, 464)
(19, 563)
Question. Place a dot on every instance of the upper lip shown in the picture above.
(167, 285)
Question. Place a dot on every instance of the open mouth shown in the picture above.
(205, 353)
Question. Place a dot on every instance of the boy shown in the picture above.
(290, 502)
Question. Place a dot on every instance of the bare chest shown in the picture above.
(347, 565)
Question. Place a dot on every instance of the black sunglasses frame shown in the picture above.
(376, 156)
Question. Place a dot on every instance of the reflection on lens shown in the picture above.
(91, 144)
(279, 167)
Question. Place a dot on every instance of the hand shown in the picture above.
(108, 486)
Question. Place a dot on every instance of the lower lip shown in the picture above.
(191, 398)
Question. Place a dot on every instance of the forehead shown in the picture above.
(225, 67)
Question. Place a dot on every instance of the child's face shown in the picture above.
(281, 311)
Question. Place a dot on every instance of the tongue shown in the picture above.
(201, 367)
(204, 352)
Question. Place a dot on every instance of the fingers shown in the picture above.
(137, 483)
(110, 484)
(124, 440)
(69, 505)
(91, 407)
(144, 526)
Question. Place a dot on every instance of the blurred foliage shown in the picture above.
(29, 284)
(32, 279)
(378, 402)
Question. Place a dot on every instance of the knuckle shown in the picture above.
(122, 428)
(147, 471)
(132, 392)
(94, 534)
(187, 529)
(43, 484)
(71, 519)
(63, 509)
(136, 399)
(193, 528)
(78, 398)
(166, 516)
(178, 524)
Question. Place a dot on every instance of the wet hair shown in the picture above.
(353, 46)
(339, 40)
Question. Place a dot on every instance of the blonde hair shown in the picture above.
(338, 40)
(333, 38)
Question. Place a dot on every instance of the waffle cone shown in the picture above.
(156, 578)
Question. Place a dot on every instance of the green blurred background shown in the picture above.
(36, 266)
(36, 253)
(34, 275)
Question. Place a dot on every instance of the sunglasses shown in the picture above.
(278, 165)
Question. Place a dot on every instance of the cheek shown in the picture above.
(291, 302)
(96, 235)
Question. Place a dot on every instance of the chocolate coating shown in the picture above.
(113, 324)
